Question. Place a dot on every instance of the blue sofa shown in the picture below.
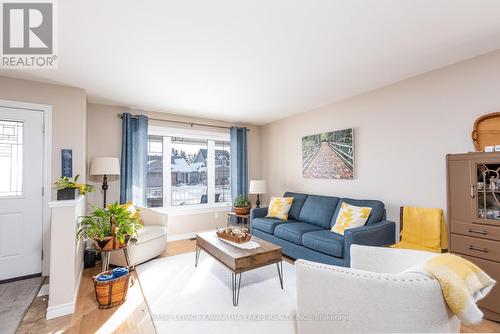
(306, 234)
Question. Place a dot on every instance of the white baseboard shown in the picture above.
(57, 311)
(60, 310)
(185, 236)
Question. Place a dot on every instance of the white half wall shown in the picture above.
(66, 257)
(402, 134)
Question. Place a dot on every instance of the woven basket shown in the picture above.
(242, 210)
(111, 293)
(234, 238)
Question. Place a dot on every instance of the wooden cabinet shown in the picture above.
(473, 183)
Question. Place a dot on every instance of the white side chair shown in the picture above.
(374, 295)
(150, 242)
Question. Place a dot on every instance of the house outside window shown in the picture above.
(188, 168)
(155, 172)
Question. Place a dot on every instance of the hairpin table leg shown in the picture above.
(197, 256)
(104, 261)
(235, 285)
(127, 259)
(279, 265)
(129, 264)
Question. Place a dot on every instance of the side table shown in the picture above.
(245, 218)
(105, 255)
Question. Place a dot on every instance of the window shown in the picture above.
(155, 171)
(11, 158)
(222, 172)
(187, 167)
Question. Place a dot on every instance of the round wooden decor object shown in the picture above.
(486, 131)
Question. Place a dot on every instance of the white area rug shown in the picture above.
(185, 299)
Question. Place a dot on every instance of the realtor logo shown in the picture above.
(28, 35)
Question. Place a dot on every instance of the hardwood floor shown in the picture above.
(131, 317)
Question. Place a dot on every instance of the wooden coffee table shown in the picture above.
(239, 260)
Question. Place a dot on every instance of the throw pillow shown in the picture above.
(350, 216)
(279, 207)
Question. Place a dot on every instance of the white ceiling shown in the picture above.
(258, 60)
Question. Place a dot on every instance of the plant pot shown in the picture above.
(68, 194)
(109, 243)
(242, 210)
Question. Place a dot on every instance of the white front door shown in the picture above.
(21, 197)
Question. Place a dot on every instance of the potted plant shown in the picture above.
(68, 188)
(242, 205)
(111, 227)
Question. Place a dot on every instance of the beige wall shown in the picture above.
(69, 117)
(402, 134)
(104, 139)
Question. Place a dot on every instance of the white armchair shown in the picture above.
(149, 243)
(374, 295)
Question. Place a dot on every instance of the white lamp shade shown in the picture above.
(105, 166)
(257, 187)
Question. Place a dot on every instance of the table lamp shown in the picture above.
(257, 187)
(105, 166)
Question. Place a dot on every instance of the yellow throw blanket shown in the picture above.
(463, 284)
(423, 229)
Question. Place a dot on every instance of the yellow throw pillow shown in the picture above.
(279, 207)
(350, 216)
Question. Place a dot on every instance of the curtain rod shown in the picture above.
(183, 122)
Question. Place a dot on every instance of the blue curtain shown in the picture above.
(239, 162)
(134, 160)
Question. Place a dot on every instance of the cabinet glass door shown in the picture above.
(488, 191)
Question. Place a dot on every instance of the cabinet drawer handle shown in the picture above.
(484, 250)
(471, 230)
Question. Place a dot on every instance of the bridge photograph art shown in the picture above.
(328, 155)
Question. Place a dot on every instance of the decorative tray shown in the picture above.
(234, 238)
(486, 131)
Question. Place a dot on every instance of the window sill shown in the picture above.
(194, 209)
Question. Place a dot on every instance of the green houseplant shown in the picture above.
(68, 188)
(242, 205)
(111, 227)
